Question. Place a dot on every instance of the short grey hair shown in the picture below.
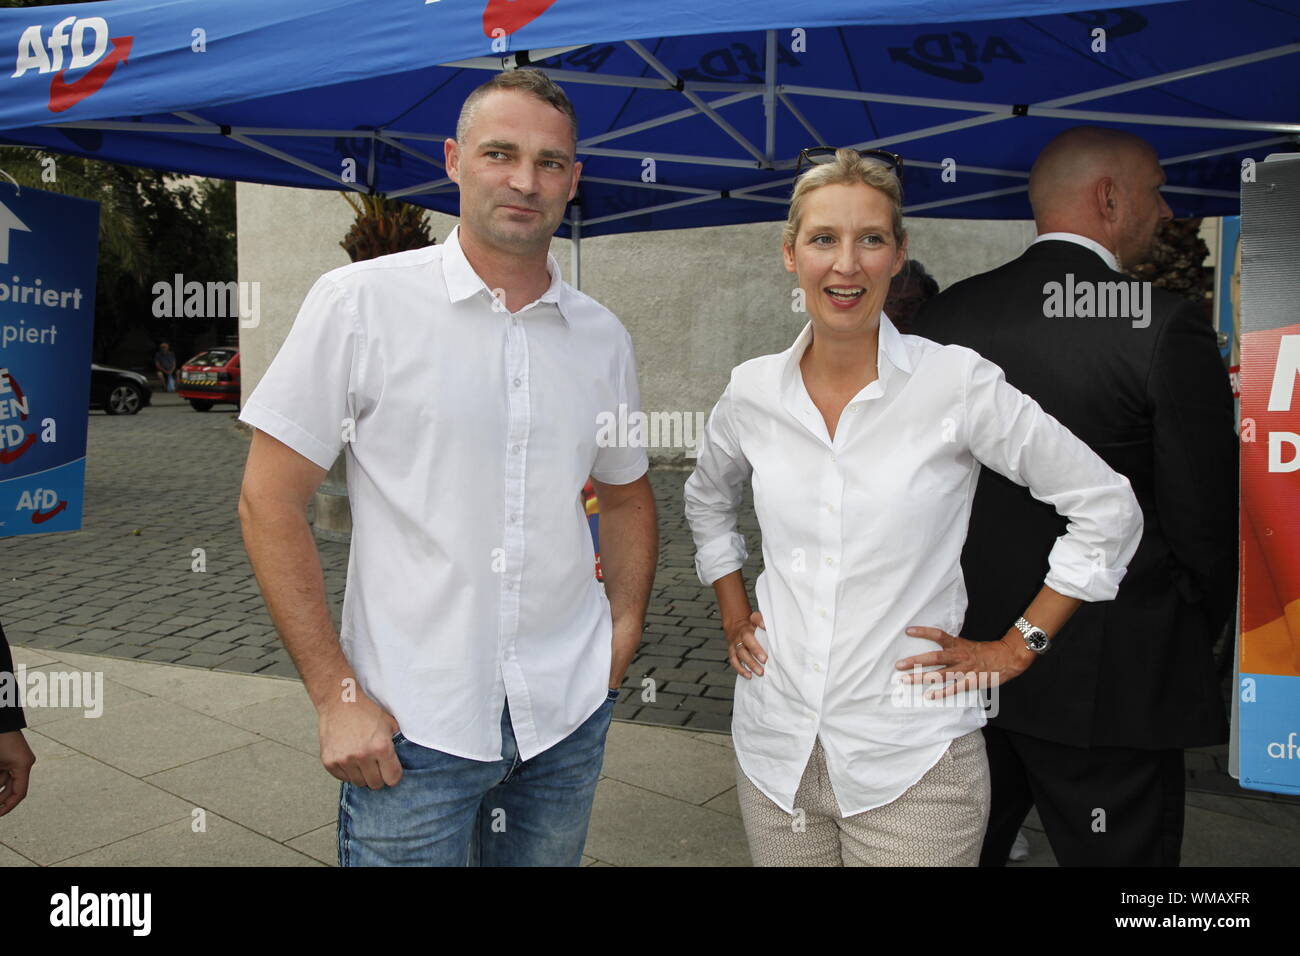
(534, 82)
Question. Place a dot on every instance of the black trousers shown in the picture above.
(1100, 806)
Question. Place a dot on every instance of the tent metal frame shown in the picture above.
(774, 95)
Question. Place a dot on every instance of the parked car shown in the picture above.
(117, 390)
(210, 378)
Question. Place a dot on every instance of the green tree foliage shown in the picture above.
(153, 225)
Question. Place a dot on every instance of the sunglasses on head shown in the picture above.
(818, 155)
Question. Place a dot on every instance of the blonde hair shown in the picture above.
(848, 168)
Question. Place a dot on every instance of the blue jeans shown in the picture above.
(452, 811)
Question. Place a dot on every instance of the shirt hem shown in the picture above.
(844, 814)
(623, 476)
(545, 745)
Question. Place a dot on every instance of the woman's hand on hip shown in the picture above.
(966, 665)
(746, 655)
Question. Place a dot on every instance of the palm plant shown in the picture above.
(384, 226)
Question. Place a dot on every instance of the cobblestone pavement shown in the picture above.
(161, 494)
(162, 490)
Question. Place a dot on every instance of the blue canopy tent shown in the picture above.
(691, 114)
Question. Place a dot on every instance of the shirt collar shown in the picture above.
(463, 282)
(891, 352)
(1107, 256)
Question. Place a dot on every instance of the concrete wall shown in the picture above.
(286, 239)
(696, 301)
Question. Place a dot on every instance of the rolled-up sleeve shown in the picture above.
(713, 495)
(1010, 433)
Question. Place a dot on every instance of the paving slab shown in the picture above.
(78, 804)
(272, 789)
(632, 826)
(639, 755)
(221, 843)
(145, 736)
(107, 697)
(290, 719)
(9, 857)
(321, 845)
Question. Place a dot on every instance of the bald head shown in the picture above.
(1103, 184)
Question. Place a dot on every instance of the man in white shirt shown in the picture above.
(465, 701)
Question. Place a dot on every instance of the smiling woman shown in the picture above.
(863, 446)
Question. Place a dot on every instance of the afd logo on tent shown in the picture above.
(85, 45)
(510, 16)
(958, 56)
(938, 53)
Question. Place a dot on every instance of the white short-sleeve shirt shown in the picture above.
(468, 434)
(862, 538)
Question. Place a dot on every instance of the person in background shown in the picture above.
(16, 757)
(164, 361)
(1094, 734)
(908, 291)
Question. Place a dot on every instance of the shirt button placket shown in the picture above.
(826, 582)
(518, 424)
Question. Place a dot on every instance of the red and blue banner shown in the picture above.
(1268, 703)
(48, 252)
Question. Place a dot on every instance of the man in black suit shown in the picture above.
(1093, 734)
(16, 756)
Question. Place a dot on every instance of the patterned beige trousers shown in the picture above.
(938, 821)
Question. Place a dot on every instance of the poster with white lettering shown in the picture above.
(48, 252)
(1269, 680)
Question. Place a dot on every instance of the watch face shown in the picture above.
(1036, 639)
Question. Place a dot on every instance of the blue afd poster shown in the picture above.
(48, 249)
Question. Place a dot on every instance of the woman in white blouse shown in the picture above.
(863, 447)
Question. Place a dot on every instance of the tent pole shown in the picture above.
(769, 97)
(662, 120)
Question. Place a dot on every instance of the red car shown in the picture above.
(210, 378)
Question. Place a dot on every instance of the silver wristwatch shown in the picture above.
(1036, 638)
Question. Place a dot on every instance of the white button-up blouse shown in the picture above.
(862, 538)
